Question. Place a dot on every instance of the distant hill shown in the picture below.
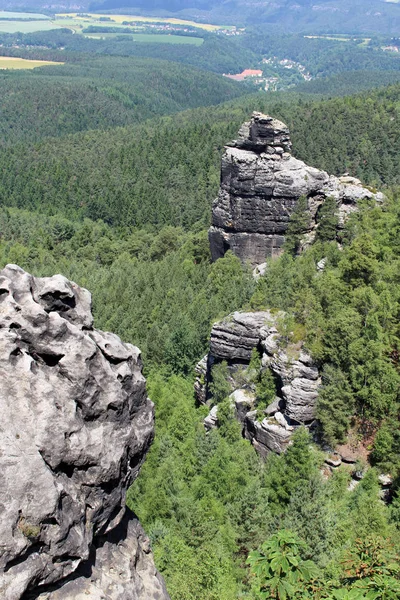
(289, 15)
(336, 16)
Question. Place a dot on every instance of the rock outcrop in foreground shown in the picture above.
(296, 375)
(75, 427)
(261, 183)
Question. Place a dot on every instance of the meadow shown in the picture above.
(9, 26)
(149, 38)
(15, 16)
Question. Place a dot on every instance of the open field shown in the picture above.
(10, 62)
(7, 26)
(149, 38)
(94, 19)
(12, 22)
(15, 16)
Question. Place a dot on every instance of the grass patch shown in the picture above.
(8, 26)
(149, 38)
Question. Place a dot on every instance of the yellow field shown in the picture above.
(10, 62)
(120, 18)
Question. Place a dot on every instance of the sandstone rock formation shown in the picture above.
(297, 378)
(75, 427)
(261, 183)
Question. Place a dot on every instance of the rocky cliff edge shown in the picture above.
(75, 427)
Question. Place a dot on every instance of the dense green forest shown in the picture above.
(108, 168)
(347, 83)
(209, 496)
(166, 172)
(102, 93)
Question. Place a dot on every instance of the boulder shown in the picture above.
(333, 460)
(296, 375)
(267, 436)
(301, 399)
(275, 406)
(76, 425)
(123, 569)
(200, 384)
(243, 401)
(282, 421)
(211, 420)
(260, 270)
(263, 133)
(385, 480)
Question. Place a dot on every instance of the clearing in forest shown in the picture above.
(11, 62)
(149, 37)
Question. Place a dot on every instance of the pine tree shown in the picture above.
(327, 220)
(298, 225)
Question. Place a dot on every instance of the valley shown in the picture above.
(200, 301)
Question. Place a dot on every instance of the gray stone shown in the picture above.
(122, 569)
(75, 427)
(263, 132)
(282, 421)
(301, 399)
(261, 183)
(275, 406)
(244, 401)
(353, 484)
(333, 461)
(267, 436)
(235, 337)
(385, 480)
(260, 271)
(211, 420)
(358, 475)
(200, 384)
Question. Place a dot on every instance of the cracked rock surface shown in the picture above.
(75, 427)
(296, 376)
(261, 183)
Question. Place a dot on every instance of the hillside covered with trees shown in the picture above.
(109, 165)
(153, 284)
(328, 15)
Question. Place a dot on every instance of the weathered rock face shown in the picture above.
(296, 375)
(261, 183)
(122, 568)
(76, 425)
(234, 338)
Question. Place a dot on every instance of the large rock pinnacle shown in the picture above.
(261, 183)
(75, 427)
(295, 374)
